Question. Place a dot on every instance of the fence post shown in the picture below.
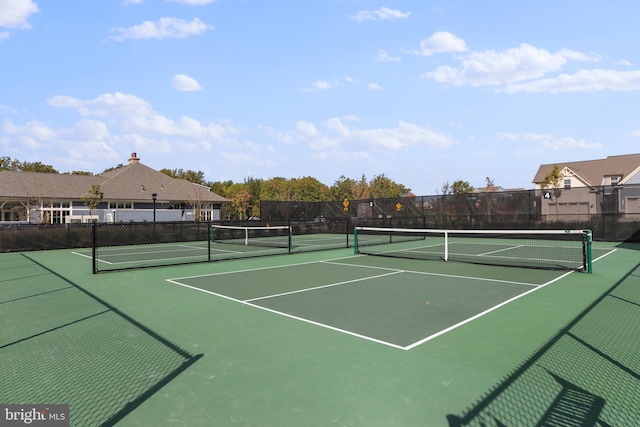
(94, 258)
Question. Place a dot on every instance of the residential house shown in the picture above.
(593, 187)
(134, 192)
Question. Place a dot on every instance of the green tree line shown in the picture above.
(245, 196)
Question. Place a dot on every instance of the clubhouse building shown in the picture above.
(131, 193)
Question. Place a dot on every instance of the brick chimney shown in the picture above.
(134, 159)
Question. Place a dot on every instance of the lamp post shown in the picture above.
(154, 197)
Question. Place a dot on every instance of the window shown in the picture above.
(120, 205)
(567, 184)
(614, 180)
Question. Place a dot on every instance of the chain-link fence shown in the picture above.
(142, 244)
(612, 213)
(34, 237)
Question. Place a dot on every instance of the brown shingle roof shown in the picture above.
(135, 182)
(593, 171)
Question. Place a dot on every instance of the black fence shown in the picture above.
(36, 237)
(142, 244)
(612, 213)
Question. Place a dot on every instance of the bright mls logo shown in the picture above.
(34, 415)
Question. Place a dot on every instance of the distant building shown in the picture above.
(603, 185)
(128, 195)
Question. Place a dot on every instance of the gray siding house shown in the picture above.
(131, 193)
(585, 184)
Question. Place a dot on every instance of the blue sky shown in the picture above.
(425, 92)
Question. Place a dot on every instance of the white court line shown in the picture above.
(82, 255)
(393, 271)
(501, 250)
(477, 316)
(457, 325)
(247, 270)
(325, 286)
(302, 319)
(602, 256)
(426, 273)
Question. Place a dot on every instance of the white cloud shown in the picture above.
(164, 28)
(549, 142)
(130, 114)
(340, 137)
(15, 13)
(491, 68)
(185, 83)
(440, 42)
(325, 85)
(381, 14)
(318, 85)
(582, 81)
(383, 56)
(374, 86)
(112, 123)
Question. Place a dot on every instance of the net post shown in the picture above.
(290, 236)
(446, 246)
(209, 241)
(94, 260)
(355, 240)
(589, 259)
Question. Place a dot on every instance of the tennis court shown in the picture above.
(320, 338)
(398, 303)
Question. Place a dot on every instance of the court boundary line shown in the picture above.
(428, 273)
(261, 268)
(394, 271)
(291, 316)
(477, 316)
(346, 282)
(249, 302)
(487, 311)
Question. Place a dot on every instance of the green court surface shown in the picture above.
(323, 338)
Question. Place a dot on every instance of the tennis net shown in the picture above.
(548, 249)
(139, 245)
(277, 237)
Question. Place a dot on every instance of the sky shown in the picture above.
(423, 92)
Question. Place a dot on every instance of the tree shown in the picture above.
(461, 187)
(221, 188)
(120, 165)
(277, 188)
(553, 180)
(253, 186)
(189, 175)
(37, 167)
(240, 203)
(308, 189)
(93, 198)
(488, 197)
(361, 189)
(342, 188)
(491, 188)
(381, 187)
(7, 163)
